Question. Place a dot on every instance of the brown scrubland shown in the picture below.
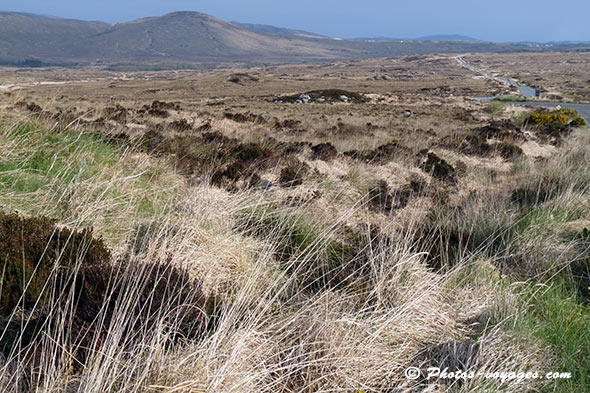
(304, 228)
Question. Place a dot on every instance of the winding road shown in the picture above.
(527, 92)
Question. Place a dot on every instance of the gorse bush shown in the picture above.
(578, 122)
(568, 112)
(557, 119)
(545, 118)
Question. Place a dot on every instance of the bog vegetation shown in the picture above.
(165, 265)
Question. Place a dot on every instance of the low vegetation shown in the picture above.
(236, 249)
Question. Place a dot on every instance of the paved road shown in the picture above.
(526, 91)
(582, 109)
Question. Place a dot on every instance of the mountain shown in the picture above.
(193, 36)
(179, 37)
(278, 30)
(23, 36)
(189, 39)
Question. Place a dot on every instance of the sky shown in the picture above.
(498, 20)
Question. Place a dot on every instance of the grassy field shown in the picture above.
(282, 247)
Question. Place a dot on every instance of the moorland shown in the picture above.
(295, 228)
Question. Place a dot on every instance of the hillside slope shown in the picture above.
(181, 36)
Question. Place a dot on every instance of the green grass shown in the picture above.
(550, 315)
(511, 98)
(496, 107)
(551, 306)
(51, 156)
(306, 247)
(76, 177)
(554, 315)
(541, 219)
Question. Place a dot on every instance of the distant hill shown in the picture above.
(378, 39)
(441, 37)
(188, 39)
(447, 37)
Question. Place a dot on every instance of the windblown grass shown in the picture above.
(481, 309)
(80, 179)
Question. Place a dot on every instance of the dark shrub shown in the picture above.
(438, 168)
(205, 127)
(30, 106)
(324, 152)
(71, 276)
(472, 144)
(288, 124)
(117, 113)
(581, 276)
(502, 130)
(154, 141)
(250, 152)
(157, 293)
(245, 117)
(293, 173)
(578, 122)
(181, 125)
(380, 198)
(508, 150)
(245, 160)
(225, 158)
(381, 154)
(30, 248)
(158, 108)
(294, 148)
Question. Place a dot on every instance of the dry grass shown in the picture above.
(314, 291)
(271, 334)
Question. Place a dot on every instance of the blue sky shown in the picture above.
(498, 20)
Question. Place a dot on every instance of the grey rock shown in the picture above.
(305, 98)
(264, 184)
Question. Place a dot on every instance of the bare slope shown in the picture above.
(25, 36)
(181, 36)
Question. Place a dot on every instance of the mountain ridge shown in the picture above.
(186, 38)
